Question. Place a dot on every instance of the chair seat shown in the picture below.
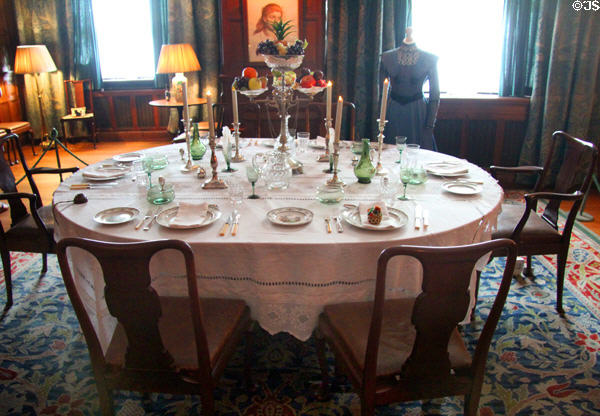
(346, 325)
(71, 117)
(221, 318)
(536, 230)
(17, 127)
(26, 235)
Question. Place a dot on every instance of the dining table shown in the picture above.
(286, 268)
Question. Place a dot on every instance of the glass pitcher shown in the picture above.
(277, 172)
(364, 169)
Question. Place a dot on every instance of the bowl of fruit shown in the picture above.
(250, 84)
(311, 83)
(280, 54)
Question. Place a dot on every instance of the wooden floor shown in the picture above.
(105, 150)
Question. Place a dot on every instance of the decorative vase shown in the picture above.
(364, 169)
(197, 148)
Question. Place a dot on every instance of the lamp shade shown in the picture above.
(33, 59)
(179, 57)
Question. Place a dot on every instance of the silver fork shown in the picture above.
(153, 220)
(338, 223)
(146, 217)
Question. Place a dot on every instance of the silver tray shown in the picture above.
(396, 219)
(165, 218)
(290, 216)
(119, 215)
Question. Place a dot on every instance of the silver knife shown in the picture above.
(225, 226)
(236, 220)
(338, 223)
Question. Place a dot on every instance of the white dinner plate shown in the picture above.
(119, 215)
(449, 169)
(396, 219)
(166, 217)
(128, 157)
(269, 142)
(312, 91)
(462, 187)
(290, 216)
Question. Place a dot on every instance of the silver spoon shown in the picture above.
(161, 182)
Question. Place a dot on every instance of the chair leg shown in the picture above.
(471, 404)
(7, 279)
(367, 406)
(250, 387)
(44, 263)
(320, 344)
(529, 268)
(561, 264)
(106, 400)
(208, 403)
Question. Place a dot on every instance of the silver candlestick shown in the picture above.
(214, 182)
(236, 133)
(328, 124)
(336, 157)
(380, 170)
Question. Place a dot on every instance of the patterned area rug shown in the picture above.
(539, 364)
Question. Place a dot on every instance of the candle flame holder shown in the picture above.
(325, 157)
(214, 182)
(237, 158)
(380, 170)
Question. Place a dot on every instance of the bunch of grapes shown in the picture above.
(267, 47)
(296, 49)
(240, 83)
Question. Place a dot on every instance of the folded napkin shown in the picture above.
(100, 173)
(447, 168)
(363, 211)
(190, 214)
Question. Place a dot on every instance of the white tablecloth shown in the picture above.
(285, 274)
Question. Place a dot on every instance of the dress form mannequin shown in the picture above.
(409, 113)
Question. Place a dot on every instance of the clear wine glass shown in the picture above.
(406, 176)
(252, 174)
(148, 164)
(388, 186)
(400, 145)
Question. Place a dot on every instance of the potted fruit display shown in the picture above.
(280, 54)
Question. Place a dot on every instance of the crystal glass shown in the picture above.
(236, 193)
(159, 162)
(303, 137)
(330, 194)
(400, 145)
(388, 187)
(405, 176)
(159, 195)
(252, 174)
(227, 156)
(147, 164)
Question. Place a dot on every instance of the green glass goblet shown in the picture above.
(406, 176)
(400, 145)
(227, 156)
(252, 175)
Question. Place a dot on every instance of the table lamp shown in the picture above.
(179, 58)
(35, 59)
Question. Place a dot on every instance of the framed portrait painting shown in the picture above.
(260, 14)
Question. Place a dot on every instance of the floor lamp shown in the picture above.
(179, 58)
(35, 59)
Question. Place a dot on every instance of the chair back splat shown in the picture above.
(161, 343)
(414, 350)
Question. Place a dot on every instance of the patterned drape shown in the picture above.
(49, 23)
(358, 31)
(567, 59)
(197, 23)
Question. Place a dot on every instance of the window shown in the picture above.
(467, 36)
(124, 36)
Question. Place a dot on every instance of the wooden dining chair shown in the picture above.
(31, 230)
(406, 349)
(539, 233)
(174, 345)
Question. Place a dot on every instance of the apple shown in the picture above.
(307, 81)
(321, 83)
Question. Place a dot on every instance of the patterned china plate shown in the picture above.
(290, 216)
(119, 215)
(396, 219)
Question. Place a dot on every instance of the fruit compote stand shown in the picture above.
(283, 99)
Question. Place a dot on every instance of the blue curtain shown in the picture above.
(520, 29)
(85, 49)
(358, 31)
(566, 75)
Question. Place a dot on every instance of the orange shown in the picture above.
(249, 72)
